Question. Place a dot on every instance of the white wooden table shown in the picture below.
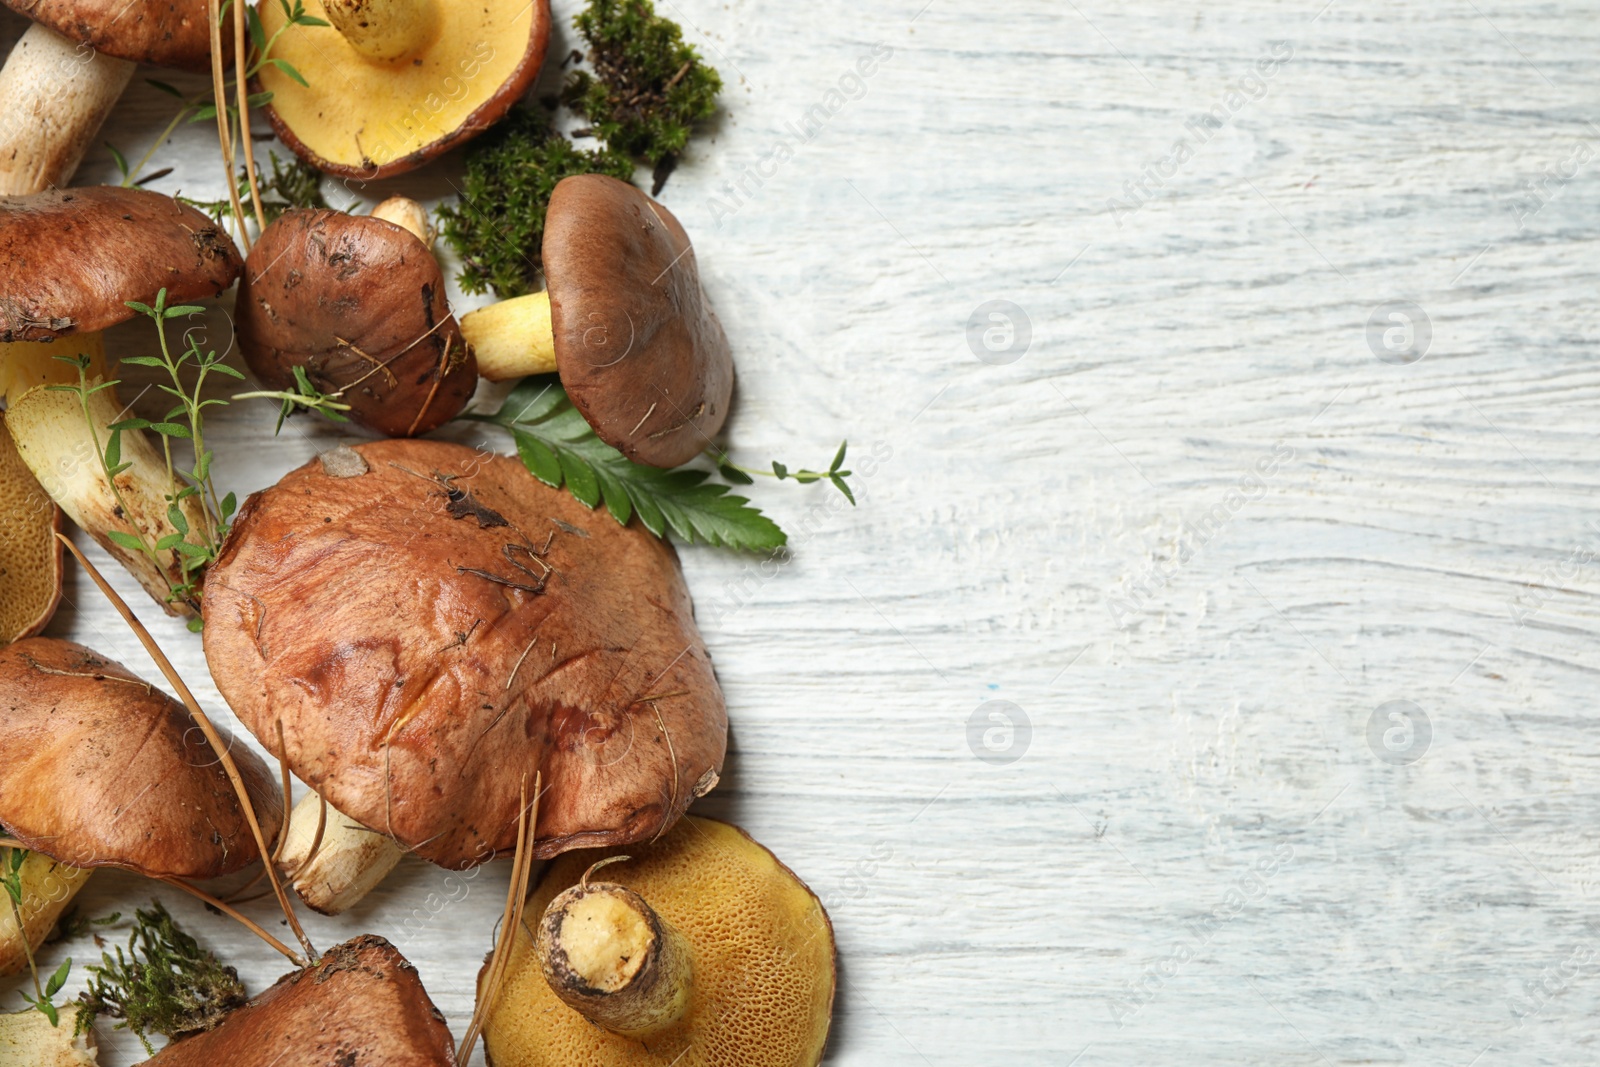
(1196, 850)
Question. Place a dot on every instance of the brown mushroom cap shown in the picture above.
(74, 256)
(102, 769)
(639, 349)
(361, 305)
(400, 624)
(367, 119)
(168, 33)
(762, 981)
(361, 1004)
(30, 555)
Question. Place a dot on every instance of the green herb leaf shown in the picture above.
(126, 540)
(117, 157)
(285, 66)
(558, 447)
(59, 979)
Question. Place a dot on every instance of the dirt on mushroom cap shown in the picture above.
(168, 33)
(763, 971)
(367, 119)
(640, 351)
(103, 769)
(30, 555)
(361, 305)
(434, 631)
(361, 1004)
(74, 256)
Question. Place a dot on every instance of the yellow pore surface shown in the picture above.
(360, 112)
(30, 580)
(762, 986)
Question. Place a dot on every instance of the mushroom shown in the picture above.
(28, 1038)
(358, 303)
(103, 769)
(73, 258)
(30, 555)
(361, 1003)
(623, 319)
(69, 69)
(431, 626)
(705, 950)
(394, 83)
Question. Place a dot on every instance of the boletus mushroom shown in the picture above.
(30, 555)
(69, 69)
(358, 303)
(73, 259)
(697, 950)
(361, 1004)
(624, 321)
(395, 83)
(431, 627)
(102, 769)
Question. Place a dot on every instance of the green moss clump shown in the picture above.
(496, 227)
(165, 984)
(648, 88)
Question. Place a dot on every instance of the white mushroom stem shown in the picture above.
(512, 339)
(65, 450)
(54, 95)
(27, 1037)
(383, 29)
(47, 888)
(332, 874)
(611, 958)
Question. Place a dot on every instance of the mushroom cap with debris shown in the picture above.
(167, 33)
(433, 626)
(762, 984)
(74, 257)
(639, 349)
(102, 769)
(363, 118)
(361, 1003)
(358, 303)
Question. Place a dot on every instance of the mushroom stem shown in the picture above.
(62, 434)
(47, 888)
(512, 339)
(383, 29)
(610, 957)
(407, 214)
(56, 93)
(332, 874)
(28, 1037)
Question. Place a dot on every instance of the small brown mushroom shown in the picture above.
(67, 72)
(30, 555)
(358, 302)
(395, 83)
(102, 769)
(697, 950)
(73, 259)
(361, 1004)
(434, 632)
(624, 321)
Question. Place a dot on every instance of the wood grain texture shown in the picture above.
(1199, 855)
